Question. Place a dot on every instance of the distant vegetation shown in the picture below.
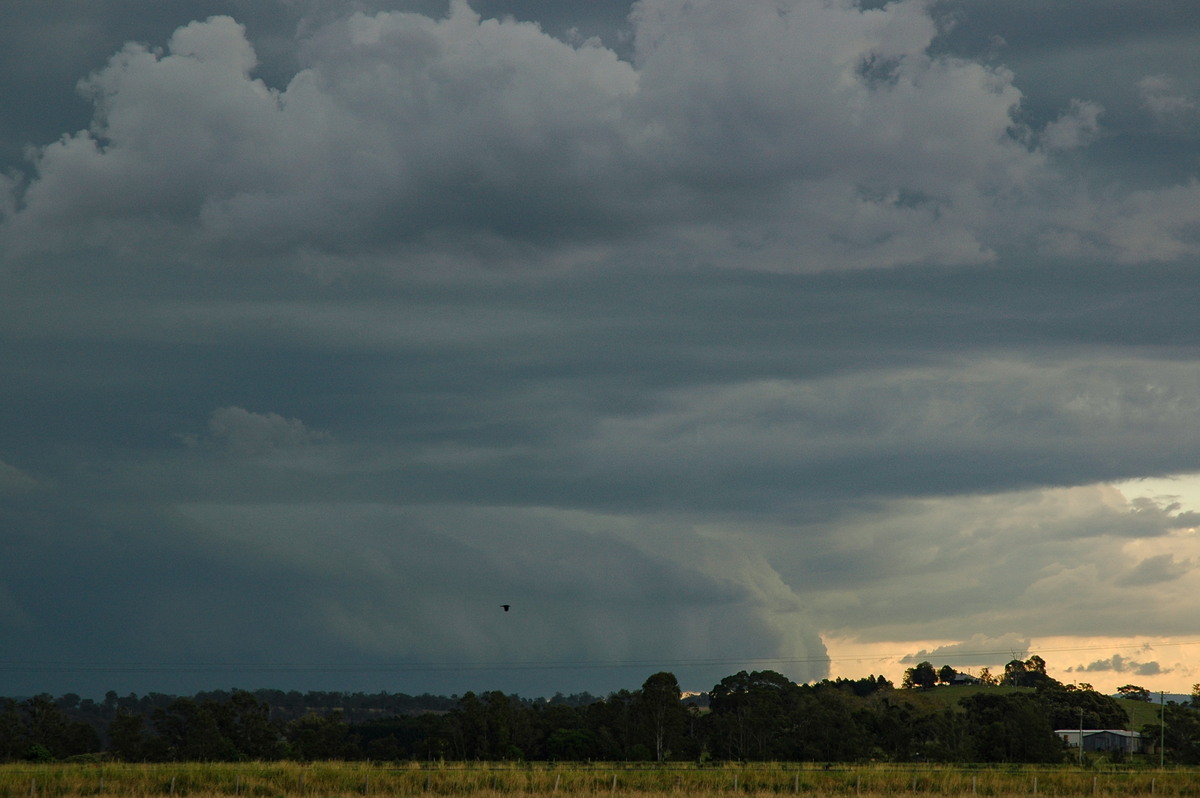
(937, 715)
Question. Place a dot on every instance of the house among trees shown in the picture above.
(1128, 742)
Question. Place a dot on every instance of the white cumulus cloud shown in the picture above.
(243, 432)
(1078, 127)
(793, 136)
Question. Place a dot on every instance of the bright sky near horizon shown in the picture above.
(815, 335)
(1167, 664)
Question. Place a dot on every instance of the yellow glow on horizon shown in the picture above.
(1181, 488)
(1067, 659)
(1169, 664)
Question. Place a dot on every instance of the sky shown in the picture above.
(816, 336)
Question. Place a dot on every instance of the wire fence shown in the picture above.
(261, 779)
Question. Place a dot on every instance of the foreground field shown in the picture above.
(542, 779)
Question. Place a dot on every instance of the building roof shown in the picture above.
(1086, 732)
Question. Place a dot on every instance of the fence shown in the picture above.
(316, 780)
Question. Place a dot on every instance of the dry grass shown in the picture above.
(502, 780)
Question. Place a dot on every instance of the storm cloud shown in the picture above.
(702, 334)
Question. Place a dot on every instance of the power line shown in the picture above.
(77, 666)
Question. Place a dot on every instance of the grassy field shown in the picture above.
(1140, 713)
(944, 696)
(541, 779)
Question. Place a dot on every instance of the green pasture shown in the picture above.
(1140, 713)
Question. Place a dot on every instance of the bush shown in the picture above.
(38, 753)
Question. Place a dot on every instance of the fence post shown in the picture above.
(973, 777)
(32, 787)
(614, 787)
(172, 785)
(557, 779)
(735, 782)
(1093, 785)
(796, 786)
(1035, 785)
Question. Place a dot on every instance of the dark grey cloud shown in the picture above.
(1119, 664)
(979, 650)
(328, 329)
(1154, 570)
(1188, 519)
(453, 135)
(1118, 55)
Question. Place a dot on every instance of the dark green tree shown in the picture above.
(1181, 735)
(1064, 706)
(470, 728)
(920, 675)
(12, 732)
(1030, 673)
(402, 737)
(658, 702)
(1014, 674)
(891, 727)
(501, 714)
(127, 737)
(47, 726)
(491, 727)
(828, 725)
(613, 724)
(753, 715)
(1010, 728)
(315, 737)
(189, 731)
(1134, 692)
(566, 745)
(246, 723)
(944, 736)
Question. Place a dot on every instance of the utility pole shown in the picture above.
(1081, 736)
(1162, 728)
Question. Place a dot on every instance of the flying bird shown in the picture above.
(506, 606)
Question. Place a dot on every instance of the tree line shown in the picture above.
(748, 716)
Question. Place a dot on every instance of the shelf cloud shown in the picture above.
(708, 336)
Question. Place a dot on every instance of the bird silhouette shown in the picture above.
(506, 606)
